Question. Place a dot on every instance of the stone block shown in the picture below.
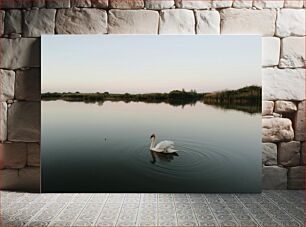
(240, 4)
(296, 176)
(81, 21)
(56, 4)
(24, 122)
(30, 179)
(133, 22)
(20, 53)
(38, 22)
(221, 3)
(267, 107)
(293, 52)
(80, 3)
(159, 4)
(269, 154)
(191, 4)
(293, 4)
(126, 4)
(290, 22)
(283, 84)
(207, 22)
(3, 121)
(9, 179)
(27, 86)
(285, 106)
(2, 15)
(277, 129)
(270, 51)
(103, 4)
(248, 21)
(299, 122)
(13, 36)
(177, 21)
(303, 157)
(39, 3)
(262, 4)
(13, 155)
(26, 179)
(274, 177)
(15, 4)
(13, 21)
(33, 154)
(7, 84)
(289, 154)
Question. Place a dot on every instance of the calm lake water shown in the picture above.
(91, 147)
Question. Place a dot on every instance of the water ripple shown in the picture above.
(193, 157)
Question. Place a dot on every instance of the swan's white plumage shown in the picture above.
(165, 146)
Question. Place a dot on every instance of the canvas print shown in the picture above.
(141, 113)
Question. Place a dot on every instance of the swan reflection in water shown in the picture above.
(162, 157)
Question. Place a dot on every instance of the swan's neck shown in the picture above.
(153, 142)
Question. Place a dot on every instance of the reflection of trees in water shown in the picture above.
(251, 108)
(247, 107)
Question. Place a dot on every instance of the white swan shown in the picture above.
(165, 146)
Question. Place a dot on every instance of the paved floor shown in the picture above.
(271, 208)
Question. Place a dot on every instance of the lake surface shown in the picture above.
(92, 147)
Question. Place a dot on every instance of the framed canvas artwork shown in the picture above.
(142, 113)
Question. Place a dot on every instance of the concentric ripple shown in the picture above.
(192, 159)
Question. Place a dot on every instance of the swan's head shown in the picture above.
(152, 136)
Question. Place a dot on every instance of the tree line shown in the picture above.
(249, 94)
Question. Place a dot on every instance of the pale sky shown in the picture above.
(149, 63)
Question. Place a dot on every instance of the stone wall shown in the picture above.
(281, 23)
